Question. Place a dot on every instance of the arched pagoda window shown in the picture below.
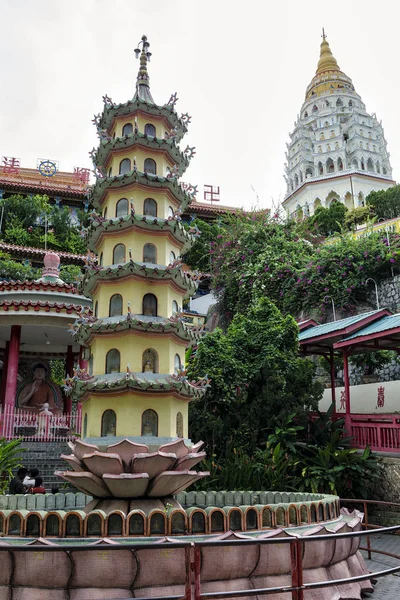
(150, 423)
(115, 305)
(96, 308)
(124, 166)
(177, 364)
(175, 307)
(149, 129)
(127, 129)
(85, 425)
(170, 212)
(150, 361)
(119, 254)
(150, 253)
(101, 260)
(150, 166)
(108, 423)
(105, 212)
(113, 361)
(121, 209)
(150, 207)
(172, 257)
(150, 305)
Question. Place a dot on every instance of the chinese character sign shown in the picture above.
(81, 175)
(342, 400)
(211, 193)
(381, 397)
(10, 164)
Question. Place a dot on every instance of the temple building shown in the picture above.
(337, 150)
(136, 339)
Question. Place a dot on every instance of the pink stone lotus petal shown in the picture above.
(127, 485)
(86, 482)
(82, 448)
(153, 463)
(199, 475)
(189, 461)
(126, 449)
(197, 447)
(103, 462)
(178, 447)
(73, 462)
(171, 482)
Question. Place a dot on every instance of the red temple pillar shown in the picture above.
(12, 367)
(347, 391)
(333, 381)
(4, 374)
(69, 371)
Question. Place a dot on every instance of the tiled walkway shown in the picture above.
(387, 588)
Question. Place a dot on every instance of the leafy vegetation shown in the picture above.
(9, 461)
(257, 379)
(385, 204)
(325, 464)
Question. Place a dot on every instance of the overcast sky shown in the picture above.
(239, 68)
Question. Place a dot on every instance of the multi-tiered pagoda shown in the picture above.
(135, 384)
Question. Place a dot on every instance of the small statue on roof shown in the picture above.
(107, 101)
(186, 118)
(173, 100)
(189, 151)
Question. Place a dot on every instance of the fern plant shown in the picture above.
(10, 460)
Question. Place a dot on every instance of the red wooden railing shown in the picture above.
(380, 432)
(32, 426)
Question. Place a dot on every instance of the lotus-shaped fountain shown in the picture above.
(129, 470)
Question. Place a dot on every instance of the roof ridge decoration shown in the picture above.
(86, 325)
(327, 62)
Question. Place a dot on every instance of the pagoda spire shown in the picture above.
(143, 80)
(327, 62)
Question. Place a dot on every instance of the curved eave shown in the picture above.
(130, 108)
(94, 275)
(104, 184)
(30, 306)
(36, 286)
(125, 382)
(85, 332)
(52, 190)
(141, 222)
(139, 139)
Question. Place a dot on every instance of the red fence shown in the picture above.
(37, 427)
(380, 432)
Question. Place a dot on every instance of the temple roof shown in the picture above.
(175, 274)
(144, 222)
(83, 329)
(151, 382)
(28, 252)
(136, 138)
(146, 179)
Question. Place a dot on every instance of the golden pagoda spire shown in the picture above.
(327, 62)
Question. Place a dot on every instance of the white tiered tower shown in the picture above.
(337, 151)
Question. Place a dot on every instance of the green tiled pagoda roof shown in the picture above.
(122, 110)
(334, 326)
(151, 382)
(120, 143)
(95, 273)
(144, 222)
(84, 328)
(153, 181)
(385, 324)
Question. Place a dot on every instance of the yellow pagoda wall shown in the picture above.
(142, 120)
(165, 203)
(131, 346)
(129, 408)
(136, 240)
(161, 159)
(133, 291)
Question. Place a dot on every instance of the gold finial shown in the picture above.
(327, 62)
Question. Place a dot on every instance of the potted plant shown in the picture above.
(371, 363)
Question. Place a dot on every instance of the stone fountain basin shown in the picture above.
(156, 570)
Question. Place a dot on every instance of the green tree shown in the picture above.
(385, 203)
(199, 256)
(257, 379)
(327, 221)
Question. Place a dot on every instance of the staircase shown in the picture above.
(45, 456)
